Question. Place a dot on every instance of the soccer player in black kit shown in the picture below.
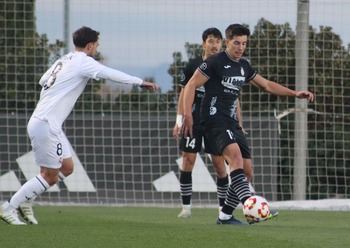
(223, 76)
(190, 146)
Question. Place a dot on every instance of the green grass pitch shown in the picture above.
(62, 226)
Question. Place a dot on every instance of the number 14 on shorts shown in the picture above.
(190, 142)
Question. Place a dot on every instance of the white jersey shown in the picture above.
(65, 81)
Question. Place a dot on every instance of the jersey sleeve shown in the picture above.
(90, 67)
(97, 71)
(189, 70)
(207, 67)
(251, 72)
(118, 76)
(185, 75)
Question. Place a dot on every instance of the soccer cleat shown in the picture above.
(11, 217)
(272, 214)
(185, 213)
(231, 221)
(27, 213)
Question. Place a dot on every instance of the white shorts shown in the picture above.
(49, 148)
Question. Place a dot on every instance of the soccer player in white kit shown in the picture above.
(61, 85)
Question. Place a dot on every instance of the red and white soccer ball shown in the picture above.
(256, 209)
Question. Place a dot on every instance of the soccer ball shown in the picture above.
(256, 209)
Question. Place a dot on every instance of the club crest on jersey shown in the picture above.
(242, 71)
(203, 66)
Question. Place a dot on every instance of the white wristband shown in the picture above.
(179, 120)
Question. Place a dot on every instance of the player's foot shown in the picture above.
(185, 213)
(231, 221)
(11, 217)
(27, 213)
(273, 214)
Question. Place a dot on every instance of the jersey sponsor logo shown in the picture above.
(234, 83)
(227, 66)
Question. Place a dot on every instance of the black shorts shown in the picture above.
(220, 135)
(192, 145)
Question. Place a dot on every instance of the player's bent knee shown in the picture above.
(67, 171)
(67, 167)
(188, 161)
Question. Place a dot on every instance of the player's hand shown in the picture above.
(187, 126)
(149, 86)
(176, 131)
(306, 94)
(244, 131)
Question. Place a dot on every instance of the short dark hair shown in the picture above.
(211, 31)
(84, 36)
(236, 30)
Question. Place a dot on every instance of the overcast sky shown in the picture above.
(145, 33)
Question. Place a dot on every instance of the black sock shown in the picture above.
(222, 186)
(240, 185)
(186, 186)
(237, 192)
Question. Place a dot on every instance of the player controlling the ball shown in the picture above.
(190, 146)
(223, 76)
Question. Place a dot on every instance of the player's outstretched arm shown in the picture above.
(121, 77)
(279, 90)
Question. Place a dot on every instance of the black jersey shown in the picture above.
(225, 80)
(186, 75)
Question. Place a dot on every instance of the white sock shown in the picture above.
(6, 207)
(61, 177)
(29, 190)
(187, 207)
(223, 216)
